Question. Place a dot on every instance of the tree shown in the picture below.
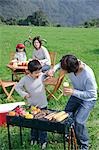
(38, 19)
(11, 21)
(1, 19)
(22, 22)
(91, 23)
(86, 24)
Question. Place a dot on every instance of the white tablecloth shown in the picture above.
(10, 106)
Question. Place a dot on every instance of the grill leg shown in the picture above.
(64, 141)
(21, 135)
(9, 140)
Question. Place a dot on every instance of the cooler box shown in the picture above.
(3, 118)
(5, 108)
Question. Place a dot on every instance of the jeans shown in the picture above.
(80, 110)
(38, 135)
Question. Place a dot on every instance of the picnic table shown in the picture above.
(18, 69)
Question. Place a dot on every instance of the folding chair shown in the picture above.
(55, 83)
(53, 58)
(5, 84)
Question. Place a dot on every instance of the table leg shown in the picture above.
(9, 140)
(64, 141)
(12, 77)
(15, 76)
(21, 135)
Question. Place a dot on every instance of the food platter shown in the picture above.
(31, 112)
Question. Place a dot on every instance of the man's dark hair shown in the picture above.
(34, 65)
(69, 63)
(37, 38)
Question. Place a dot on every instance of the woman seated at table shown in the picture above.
(41, 53)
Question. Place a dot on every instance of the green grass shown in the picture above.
(84, 43)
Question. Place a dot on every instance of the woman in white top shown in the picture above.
(41, 53)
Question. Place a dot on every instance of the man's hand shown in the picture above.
(27, 96)
(68, 91)
(50, 72)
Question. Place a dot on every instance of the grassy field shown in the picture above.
(84, 43)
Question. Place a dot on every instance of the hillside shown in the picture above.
(64, 12)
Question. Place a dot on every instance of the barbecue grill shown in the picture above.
(41, 124)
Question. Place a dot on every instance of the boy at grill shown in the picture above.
(31, 87)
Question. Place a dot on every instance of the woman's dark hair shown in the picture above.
(69, 63)
(34, 65)
(23, 50)
(37, 38)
